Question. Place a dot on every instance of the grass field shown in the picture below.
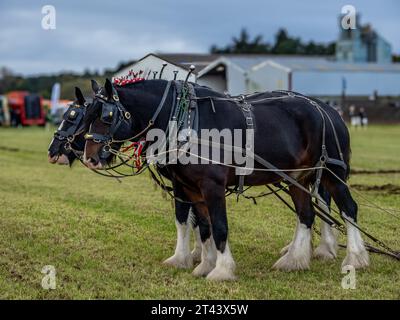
(108, 239)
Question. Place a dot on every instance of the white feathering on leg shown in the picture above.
(299, 254)
(225, 266)
(208, 258)
(182, 257)
(357, 256)
(328, 247)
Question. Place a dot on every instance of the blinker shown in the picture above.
(72, 114)
(107, 113)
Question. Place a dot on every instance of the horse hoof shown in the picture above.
(291, 263)
(180, 262)
(359, 260)
(203, 269)
(221, 274)
(196, 255)
(325, 252)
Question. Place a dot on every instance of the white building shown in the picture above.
(315, 76)
(151, 66)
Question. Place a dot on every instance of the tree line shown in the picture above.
(284, 44)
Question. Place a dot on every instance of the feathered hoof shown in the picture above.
(359, 260)
(291, 263)
(221, 274)
(196, 255)
(325, 252)
(180, 262)
(203, 269)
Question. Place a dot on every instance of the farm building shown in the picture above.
(310, 75)
(317, 76)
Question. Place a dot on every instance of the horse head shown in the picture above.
(107, 123)
(123, 113)
(68, 138)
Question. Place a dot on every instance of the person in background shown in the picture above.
(363, 118)
(354, 117)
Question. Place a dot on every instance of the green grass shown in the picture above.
(107, 239)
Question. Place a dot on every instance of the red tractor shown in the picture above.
(26, 109)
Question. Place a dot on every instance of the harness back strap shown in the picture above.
(245, 107)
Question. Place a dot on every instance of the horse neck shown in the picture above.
(142, 100)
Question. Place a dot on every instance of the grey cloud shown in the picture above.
(99, 34)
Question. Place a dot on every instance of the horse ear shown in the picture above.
(79, 96)
(95, 86)
(108, 87)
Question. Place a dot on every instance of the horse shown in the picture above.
(288, 133)
(68, 144)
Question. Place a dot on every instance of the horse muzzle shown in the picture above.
(61, 159)
(93, 164)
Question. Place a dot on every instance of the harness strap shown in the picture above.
(245, 107)
(161, 104)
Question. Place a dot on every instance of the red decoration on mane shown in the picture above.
(131, 77)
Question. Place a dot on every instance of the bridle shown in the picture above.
(74, 116)
(115, 115)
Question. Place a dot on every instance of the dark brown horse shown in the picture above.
(289, 133)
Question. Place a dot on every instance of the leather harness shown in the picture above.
(245, 107)
(185, 112)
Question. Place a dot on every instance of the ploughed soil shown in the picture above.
(379, 171)
(387, 188)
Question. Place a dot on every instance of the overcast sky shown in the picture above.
(99, 34)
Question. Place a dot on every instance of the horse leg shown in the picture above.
(196, 252)
(208, 250)
(357, 255)
(328, 246)
(299, 253)
(214, 195)
(182, 257)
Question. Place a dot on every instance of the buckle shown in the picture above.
(249, 121)
(246, 106)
